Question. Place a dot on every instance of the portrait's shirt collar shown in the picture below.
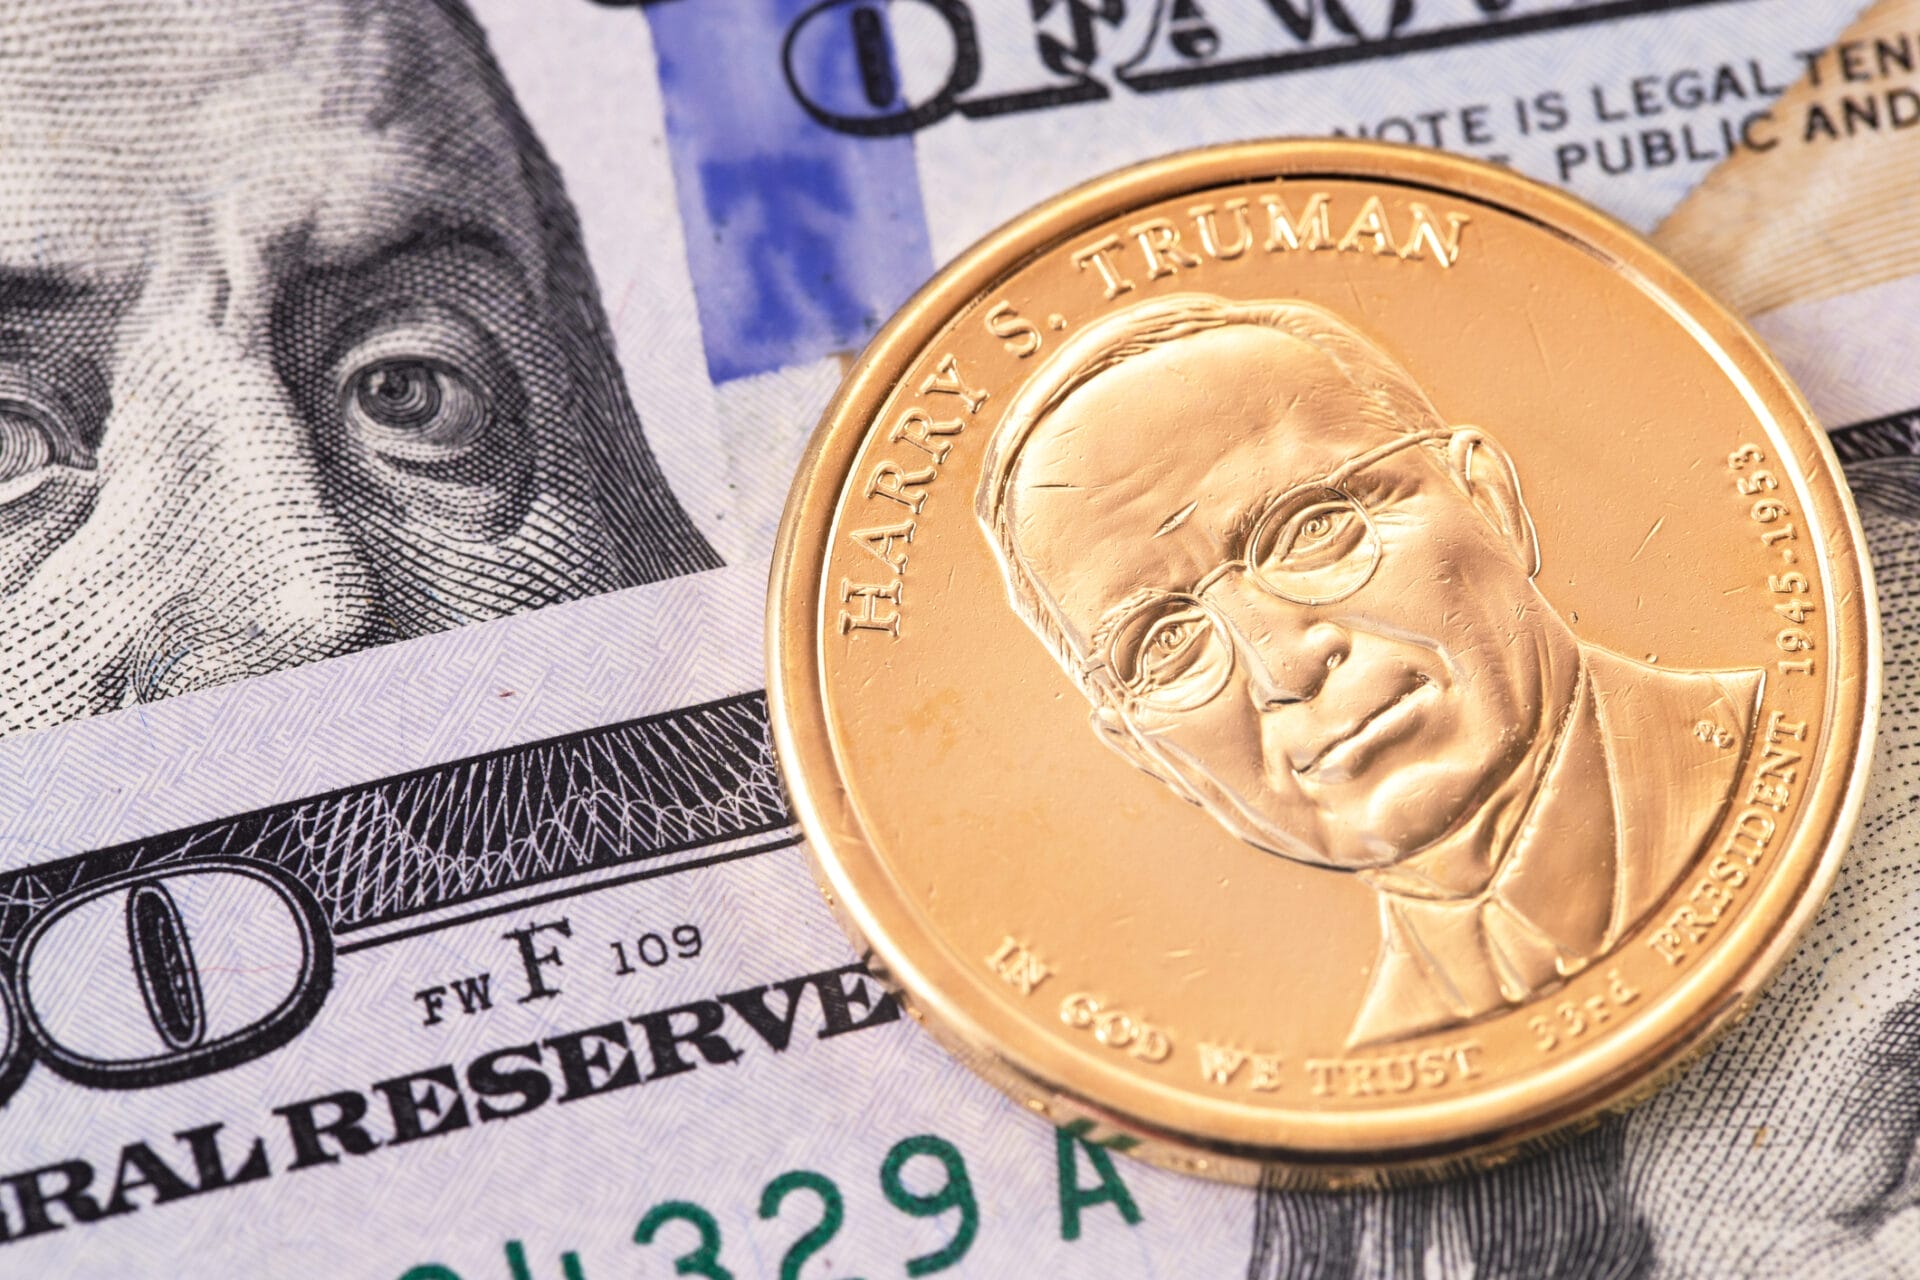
(1447, 959)
(1626, 802)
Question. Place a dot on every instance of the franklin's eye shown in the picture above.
(32, 439)
(416, 410)
(422, 413)
(26, 445)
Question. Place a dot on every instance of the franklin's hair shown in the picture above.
(1390, 400)
(651, 535)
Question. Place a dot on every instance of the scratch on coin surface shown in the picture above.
(1177, 519)
(1533, 331)
(1644, 541)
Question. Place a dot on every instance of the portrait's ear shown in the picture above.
(1483, 469)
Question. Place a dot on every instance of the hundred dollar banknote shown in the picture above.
(397, 402)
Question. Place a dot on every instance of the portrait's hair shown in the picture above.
(1390, 400)
(652, 536)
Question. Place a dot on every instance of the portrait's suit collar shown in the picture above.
(1643, 773)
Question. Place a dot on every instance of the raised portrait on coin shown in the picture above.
(299, 351)
(1299, 597)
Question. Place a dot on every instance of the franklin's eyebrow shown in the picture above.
(423, 235)
(41, 289)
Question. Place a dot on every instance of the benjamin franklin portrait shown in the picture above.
(299, 351)
(1298, 597)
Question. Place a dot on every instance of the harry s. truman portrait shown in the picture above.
(1298, 597)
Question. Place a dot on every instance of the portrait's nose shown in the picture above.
(240, 565)
(1288, 651)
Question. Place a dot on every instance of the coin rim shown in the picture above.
(1334, 1147)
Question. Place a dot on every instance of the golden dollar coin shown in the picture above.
(1322, 657)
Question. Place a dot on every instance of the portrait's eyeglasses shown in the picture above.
(1315, 544)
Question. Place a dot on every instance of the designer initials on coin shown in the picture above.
(1322, 656)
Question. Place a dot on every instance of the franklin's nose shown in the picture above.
(1287, 651)
(241, 564)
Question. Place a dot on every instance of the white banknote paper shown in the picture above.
(395, 879)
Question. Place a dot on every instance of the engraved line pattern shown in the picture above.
(1882, 458)
(477, 827)
(1895, 435)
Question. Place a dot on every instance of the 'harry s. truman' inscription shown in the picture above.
(1225, 232)
(896, 490)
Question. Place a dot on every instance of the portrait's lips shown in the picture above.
(1340, 757)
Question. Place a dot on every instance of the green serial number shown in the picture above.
(806, 1189)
